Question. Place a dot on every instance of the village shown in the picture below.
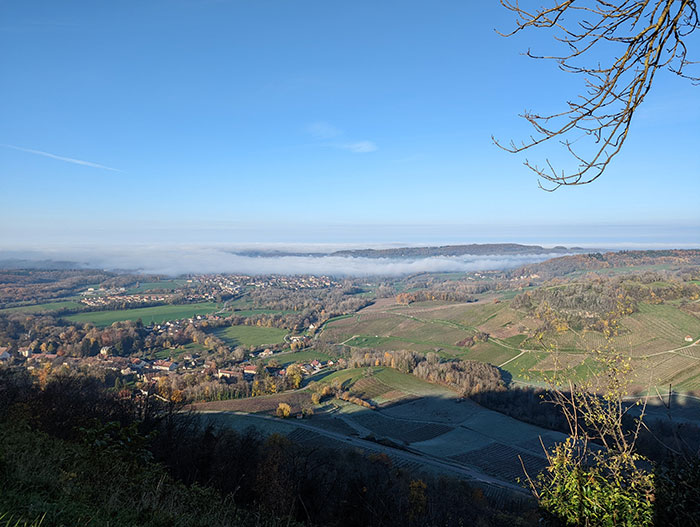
(143, 369)
(198, 288)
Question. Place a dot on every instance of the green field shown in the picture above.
(158, 286)
(335, 319)
(298, 357)
(394, 379)
(49, 306)
(251, 336)
(253, 312)
(149, 315)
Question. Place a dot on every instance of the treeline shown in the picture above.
(34, 286)
(465, 376)
(599, 303)
(320, 303)
(427, 284)
(590, 262)
(79, 444)
(52, 334)
(434, 294)
(489, 249)
(47, 334)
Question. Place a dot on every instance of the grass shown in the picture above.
(158, 286)
(520, 368)
(488, 352)
(393, 379)
(394, 343)
(48, 306)
(251, 336)
(298, 357)
(154, 314)
(253, 312)
(264, 404)
(335, 319)
(166, 354)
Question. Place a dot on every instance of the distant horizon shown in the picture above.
(355, 236)
(291, 259)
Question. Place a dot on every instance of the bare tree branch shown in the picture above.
(640, 37)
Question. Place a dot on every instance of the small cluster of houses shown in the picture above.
(140, 369)
(108, 300)
(310, 368)
(235, 284)
(248, 371)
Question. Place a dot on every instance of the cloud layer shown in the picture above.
(183, 260)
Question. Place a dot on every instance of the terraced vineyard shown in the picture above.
(654, 337)
(433, 425)
(502, 461)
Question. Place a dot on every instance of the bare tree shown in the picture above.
(638, 38)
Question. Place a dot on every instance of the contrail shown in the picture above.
(61, 158)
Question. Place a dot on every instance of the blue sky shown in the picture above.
(309, 121)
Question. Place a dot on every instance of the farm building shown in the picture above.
(229, 374)
(165, 365)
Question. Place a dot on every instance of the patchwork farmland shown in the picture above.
(417, 423)
(654, 337)
(148, 315)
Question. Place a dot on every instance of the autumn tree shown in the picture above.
(596, 477)
(295, 375)
(283, 410)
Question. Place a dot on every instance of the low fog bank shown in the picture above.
(184, 260)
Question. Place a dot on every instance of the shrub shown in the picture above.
(283, 410)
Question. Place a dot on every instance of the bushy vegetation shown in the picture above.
(103, 460)
(598, 303)
(613, 260)
(617, 467)
(466, 377)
